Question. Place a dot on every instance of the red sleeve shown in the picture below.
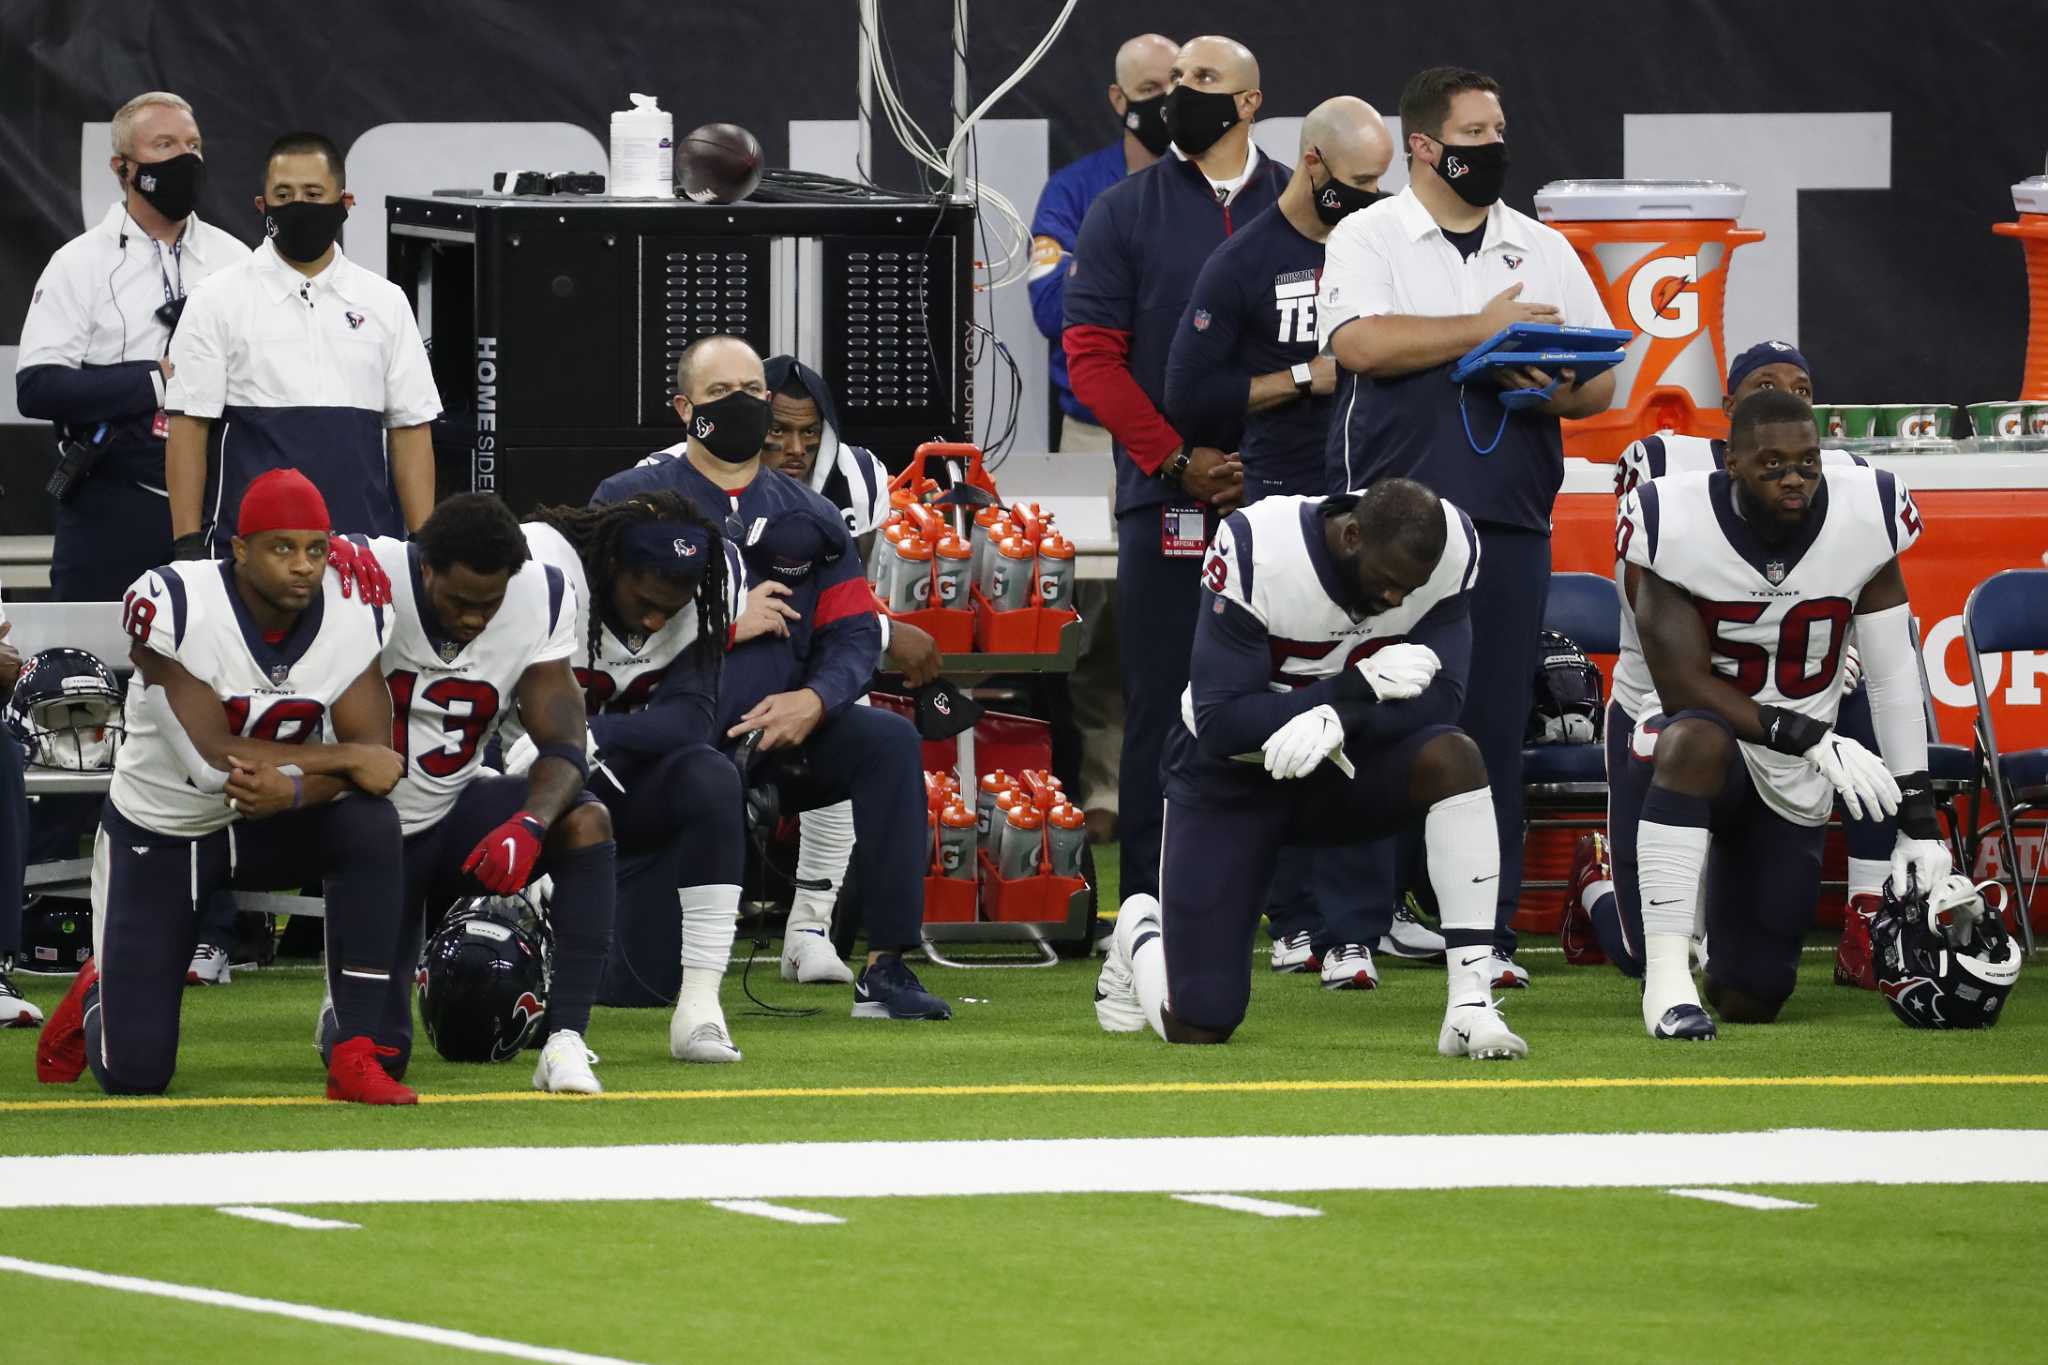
(1098, 368)
(851, 597)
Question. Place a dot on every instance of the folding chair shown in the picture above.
(2009, 611)
(1953, 770)
(1573, 777)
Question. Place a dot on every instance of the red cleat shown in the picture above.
(60, 1049)
(1854, 963)
(1575, 935)
(355, 1075)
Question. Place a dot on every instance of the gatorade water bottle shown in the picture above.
(1019, 843)
(1056, 572)
(990, 523)
(952, 561)
(956, 842)
(1042, 787)
(990, 787)
(1007, 580)
(910, 587)
(1007, 800)
(1066, 836)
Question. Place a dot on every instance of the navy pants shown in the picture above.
(109, 534)
(1157, 599)
(1220, 849)
(1337, 895)
(147, 888)
(872, 758)
(13, 844)
(1507, 624)
(678, 822)
(579, 917)
(1762, 874)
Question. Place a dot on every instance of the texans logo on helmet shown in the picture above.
(1917, 994)
(526, 1009)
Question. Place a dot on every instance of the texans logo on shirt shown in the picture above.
(355, 320)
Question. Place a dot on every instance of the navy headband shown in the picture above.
(673, 548)
(1762, 354)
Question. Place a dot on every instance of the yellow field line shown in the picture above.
(857, 1092)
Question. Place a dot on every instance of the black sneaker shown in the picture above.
(888, 989)
(15, 1012)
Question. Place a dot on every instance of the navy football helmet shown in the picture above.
(66, 711)
(1944, 958)
(483, 979)
(56, 935)
(1566, 709)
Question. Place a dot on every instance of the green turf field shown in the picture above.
(1543, 1273)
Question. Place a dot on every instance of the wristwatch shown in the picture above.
(1176, 465)
(1304, 382)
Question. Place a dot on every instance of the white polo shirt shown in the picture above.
(305, 374)
(1392, 258)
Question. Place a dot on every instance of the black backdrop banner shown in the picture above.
(1902, 293)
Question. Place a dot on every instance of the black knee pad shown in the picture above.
(1737, 1006)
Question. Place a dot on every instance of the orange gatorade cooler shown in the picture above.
(1658, 253)
(2030, 198)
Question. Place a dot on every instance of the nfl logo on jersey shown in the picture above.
(278, 673)
(449, 649)
(1775, 571)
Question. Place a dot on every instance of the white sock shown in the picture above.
(1148, 960)
(822, 855)
(1667, 975)
(1669, 859)
(1867, 876)
(1463, 847)
(1468, 975)
(709, 914)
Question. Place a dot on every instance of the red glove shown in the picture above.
(503, 859)
(356, 567)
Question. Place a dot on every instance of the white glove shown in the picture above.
(519, 755)
(1852, 669)
(1927, 861)
(1399, 672)
(1860, 777)
(1297, 748)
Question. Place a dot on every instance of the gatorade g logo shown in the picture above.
(1453, 168)
(1659, 299)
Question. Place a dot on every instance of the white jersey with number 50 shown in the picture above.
(447, 698)
(1777, 615)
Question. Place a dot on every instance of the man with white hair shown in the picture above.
(94, 347)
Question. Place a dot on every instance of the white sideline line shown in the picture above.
(1741, 1200)
(781, 1213)
(284, 1218)
(1264, 1208)
(306, 1312)
(798, 1171)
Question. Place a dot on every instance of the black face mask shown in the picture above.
(1196, 118)
(303, 231)
(171, 187)
(1475, 171)
(1335, 200)
(733, 427)
(1145, 120)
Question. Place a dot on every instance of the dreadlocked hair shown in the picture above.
(595, 532)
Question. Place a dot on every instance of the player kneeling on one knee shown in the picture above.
(224, 781)
(1742, 584)
(1330, 658)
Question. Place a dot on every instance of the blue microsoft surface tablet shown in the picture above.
(1523, 337)
(1585, 364)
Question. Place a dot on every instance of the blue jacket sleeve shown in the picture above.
(846, 635)
(1058, 220)
(1102, 291)
(89, 393)
(679, 714)
(1207, 386)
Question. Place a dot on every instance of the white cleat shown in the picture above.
(564, 1067)
(808, 959)
(209, 967)
(1294, 953)
(1348, 967)
(1411, 939)
(700, 1038)
(1116, 992)
(1508, 974)
(15, 1012)
(1475, 1029)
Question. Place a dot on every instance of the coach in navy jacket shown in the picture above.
(1142, 245)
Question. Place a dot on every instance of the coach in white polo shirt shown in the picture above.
(1408, 286)
(93, 350)
(302, 359)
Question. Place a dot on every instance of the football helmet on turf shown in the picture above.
(483, 981)
(1943, 958)
(66, 711)
(1566, 709)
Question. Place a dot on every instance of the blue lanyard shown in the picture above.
(1467, 421)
